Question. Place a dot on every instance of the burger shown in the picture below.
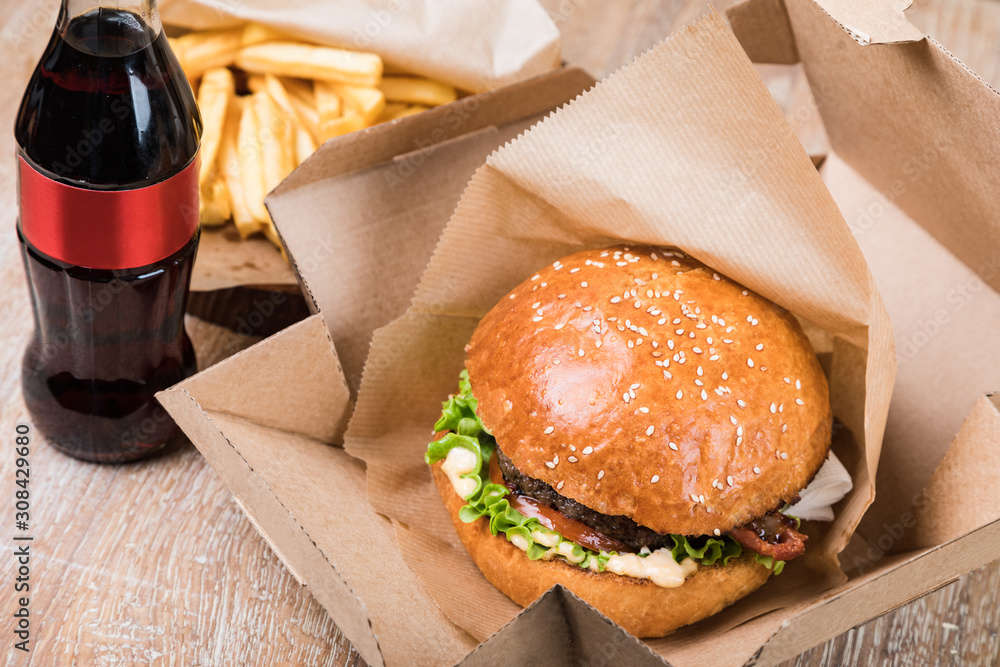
(631, 424)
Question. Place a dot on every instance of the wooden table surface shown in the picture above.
(154, 563)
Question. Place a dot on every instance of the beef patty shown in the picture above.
(621, 528)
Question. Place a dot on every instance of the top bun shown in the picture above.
(638, 382)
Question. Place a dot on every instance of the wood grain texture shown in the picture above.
(154, 564)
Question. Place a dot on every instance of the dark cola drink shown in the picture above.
(108, 135)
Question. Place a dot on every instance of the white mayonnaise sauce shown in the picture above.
(460, 461)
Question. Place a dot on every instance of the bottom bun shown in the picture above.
(638, 605)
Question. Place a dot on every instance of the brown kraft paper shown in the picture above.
(684, 147)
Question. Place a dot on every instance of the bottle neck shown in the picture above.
(144, 10)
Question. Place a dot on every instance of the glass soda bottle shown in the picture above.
(107, 149)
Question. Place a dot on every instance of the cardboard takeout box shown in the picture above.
(910, 175)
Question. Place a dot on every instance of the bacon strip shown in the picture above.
(772, 535)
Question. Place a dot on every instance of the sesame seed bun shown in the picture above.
(638, 605)
(639, 382)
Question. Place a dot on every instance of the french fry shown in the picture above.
(256, 83)
(305, 145)
(205, 51)
(313, 62)
(252, 162)
(299, 89)
(407, 111)
(258, 33)
(329, 106)
(277, 91)
(336, 127)
(414, 90)
(365, 102)
(216, 92)
(230, 164)
(308, 117)
(276, 140)
(215, 204)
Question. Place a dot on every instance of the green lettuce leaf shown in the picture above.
(488, 500)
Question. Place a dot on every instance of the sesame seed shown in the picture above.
(701, 498)
(670, 344)
(694, 497)
(739, 430)
(535, 277)
(745, 293)
(598, 343)
(555, 459)
(649, 431)
(704, 395)
(536, 318)
(559, 326)
(714, 357)
(572, 448)
(550, 465)
(729, 480)
(784, 427)
(621, 263)
(562, 296)
(631, 345)
(559, 485)
(696, 350)
(750, 362)
(644, 410)
(760, 346)
(626, 397)
(555, 361)
(574, 270)
(587, 450)
(725, 376)
(631, 392)
(600, 475)
(549, 429)
(781, 407)
(733, 419)
(581, 352)
(740, 402)
(667, 375)
(739, 440)
(679, 332)
(798, 384)
(680, 394)
(716, 276)
(787, 380)
(616, 299)
(572, 459)
(672, 446)
(774, 408)
(727, 341)
(784, 456)
(536, 304)
(799, 401)
(699, 371)
(661, 321)
(717, 532)
(513, 296)
(655, 479)
(756, 470)
(699, 382)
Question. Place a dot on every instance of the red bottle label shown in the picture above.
(123, 229)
